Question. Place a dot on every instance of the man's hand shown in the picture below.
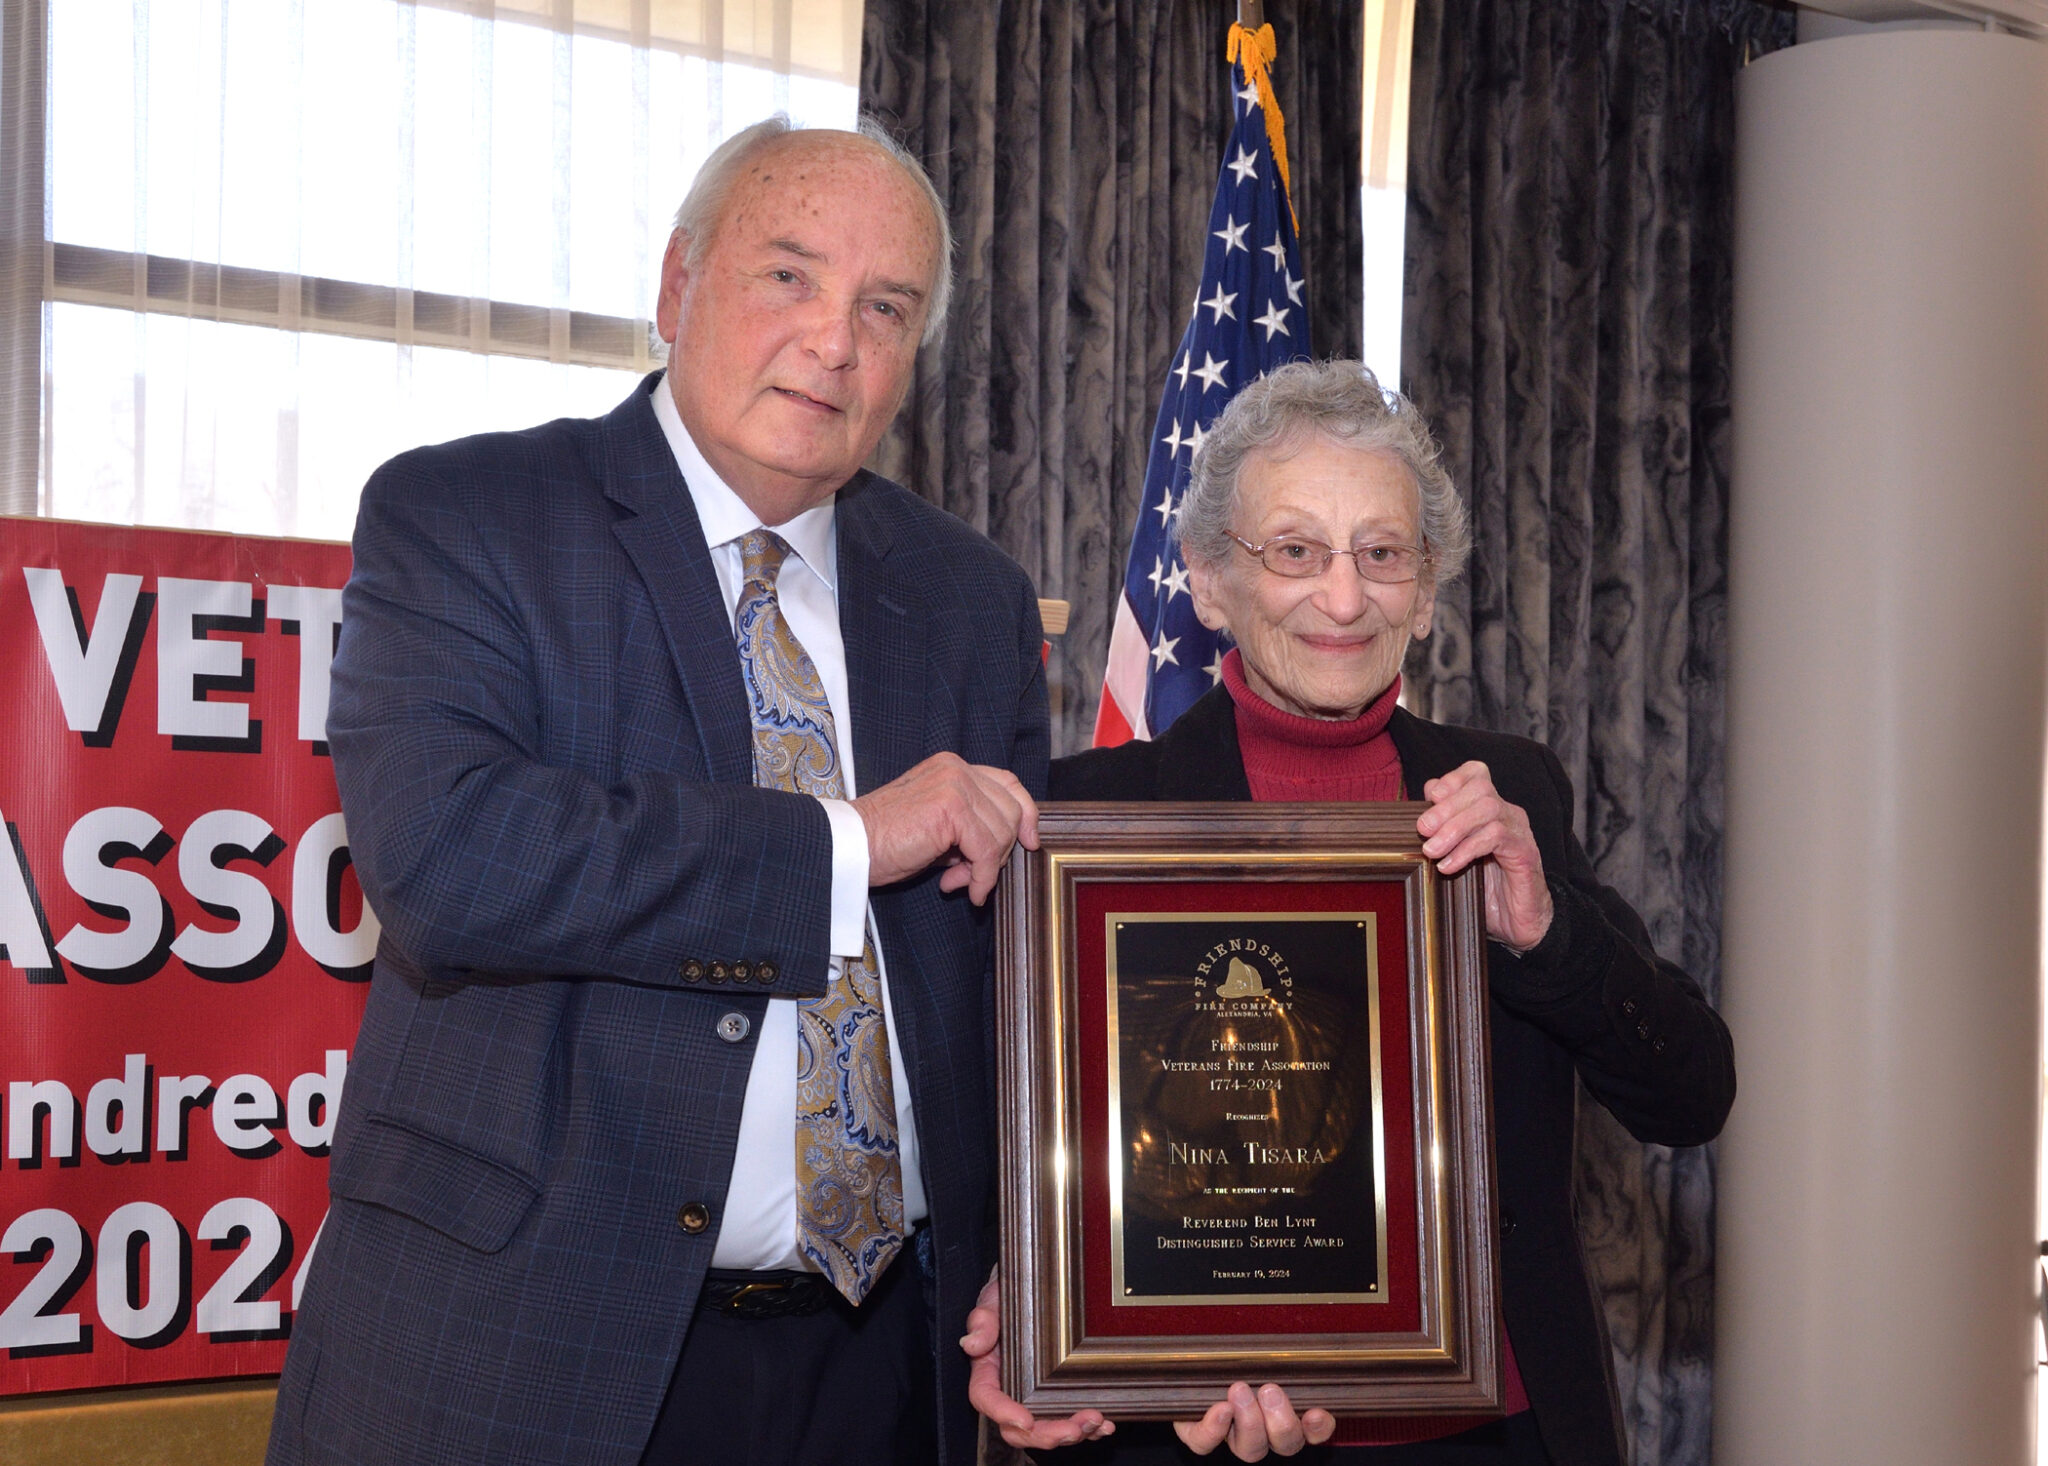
(1255, 1423)
(1468, 820)
(946, 809)
(983, 1343)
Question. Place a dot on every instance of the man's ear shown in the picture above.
(675, 275)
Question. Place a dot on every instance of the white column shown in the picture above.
(1888, 637)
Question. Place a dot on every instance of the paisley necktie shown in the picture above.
(849, 1181)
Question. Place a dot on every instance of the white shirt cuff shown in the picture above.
(849, 877)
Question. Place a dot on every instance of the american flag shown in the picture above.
(1249, 317)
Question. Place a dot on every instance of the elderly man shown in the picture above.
(679, 755)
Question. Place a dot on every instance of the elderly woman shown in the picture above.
(1317, 529)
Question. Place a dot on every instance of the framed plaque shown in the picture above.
(1241, 1052)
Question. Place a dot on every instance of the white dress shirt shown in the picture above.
(759, 1229)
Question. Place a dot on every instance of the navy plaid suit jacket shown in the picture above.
(540, 732)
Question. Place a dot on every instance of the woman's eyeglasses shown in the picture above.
(1303, 559)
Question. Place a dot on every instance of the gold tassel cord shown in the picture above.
(1256, 50)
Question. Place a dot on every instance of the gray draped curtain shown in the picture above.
(1077, 146)
(1566, 312)
(1566, 327)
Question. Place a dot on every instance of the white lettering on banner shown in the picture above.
(245, 1114)
(226, 1309)
(136, 950)
(315, 611)
(311, 1102)
(252, 946)
(138, 947)
(25, 1325)
(157, 1317)
(317, 868)
(114, 1112)
(24, 940)
(176, 1094)
(190, 664)
(24, 1136)
(143, 1283)
(91, 669)
(91, 666)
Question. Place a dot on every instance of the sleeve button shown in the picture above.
(733, 1027)
(1643, 1030)
(1657, 1047)
(765, 973)
(742, 972)
(694, 1217)
(693, 970)
(720, 971)
(1628, 1006)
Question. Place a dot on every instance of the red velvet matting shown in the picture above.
(1093, 901)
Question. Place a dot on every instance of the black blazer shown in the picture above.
(1592, 1001)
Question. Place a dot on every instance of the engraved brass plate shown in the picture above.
(1245, 1108)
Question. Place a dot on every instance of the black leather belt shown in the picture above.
(779, 1293)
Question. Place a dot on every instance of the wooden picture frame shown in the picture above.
(1244, 1109)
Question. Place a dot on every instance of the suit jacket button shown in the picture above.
(765, 973)
(1657, 1047)
(1628, 1006)
(1643, 1030)
(694, 1217)
(742, 972)
(693, 970)
(1507, 1221)
(720, 971)
(734, 1026)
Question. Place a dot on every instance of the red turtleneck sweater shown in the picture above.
(1317, 760)
(1289, 757)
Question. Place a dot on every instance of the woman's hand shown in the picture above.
(1467, 820)
(1255, 1423)
(983, 1343)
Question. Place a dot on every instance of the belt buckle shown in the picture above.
(786, 1296)
(733, 1303)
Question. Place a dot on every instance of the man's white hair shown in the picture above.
(703, 208)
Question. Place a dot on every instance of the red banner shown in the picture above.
(183, 948)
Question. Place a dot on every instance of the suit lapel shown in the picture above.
(662, 537)
(881, 619)
(1425, 752)
(1198, 755)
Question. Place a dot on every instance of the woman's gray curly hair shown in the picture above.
(1343, 402)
